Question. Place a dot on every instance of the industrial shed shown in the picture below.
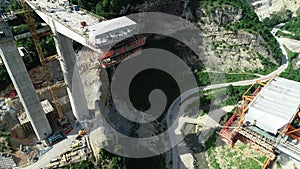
(111, 31)
(275, 106)
(268, 120)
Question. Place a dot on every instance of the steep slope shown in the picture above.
(234, 50)
(265, 8)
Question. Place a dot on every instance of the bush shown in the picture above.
(290, 72)
(293, 26)
(81, 165)
(278, 18)
(109, 160)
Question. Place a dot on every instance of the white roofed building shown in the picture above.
(268, 120)
(275, 106)
(111, 31)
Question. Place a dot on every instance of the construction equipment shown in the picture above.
(74, 154)
(75, 145)
(65, 152)
(35, 36)
(82, 131)
(52, 165)
(55, 138)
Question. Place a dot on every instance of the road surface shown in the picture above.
(54, 152)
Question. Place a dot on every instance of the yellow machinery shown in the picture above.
(52, 165)
(75, 145)
(31, 26)
(82, 131)
(74, 154)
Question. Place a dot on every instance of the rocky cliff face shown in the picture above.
(231, 50)
(265, 8)
(173, 7)
(226, 46)
(224, 16)
(238, 50)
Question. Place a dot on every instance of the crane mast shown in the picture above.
(31, 26)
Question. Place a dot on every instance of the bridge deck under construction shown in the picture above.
(82, 26)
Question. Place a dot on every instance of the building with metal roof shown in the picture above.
(111, 31)
(268, 120)
(275, 106)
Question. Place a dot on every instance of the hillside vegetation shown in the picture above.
(277, 18)
(293, 27)
(291, 72)
(106, 8)
(249, 22)
(19, 26)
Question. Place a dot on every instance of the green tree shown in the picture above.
(4, 78)
(109, 160)
(81, 165)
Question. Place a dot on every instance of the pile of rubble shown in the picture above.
(6, 161)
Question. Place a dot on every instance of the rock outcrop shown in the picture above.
(225, 16)
(238, 50)
(265, 8)
(231, 50)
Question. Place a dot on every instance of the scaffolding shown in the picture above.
(235, 129)
(268, 119)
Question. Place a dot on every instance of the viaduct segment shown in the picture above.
(23, 85)
(85, 28)
(67, 24)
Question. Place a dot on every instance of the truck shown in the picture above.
(74, 154)
(57, 137)
(68, 129)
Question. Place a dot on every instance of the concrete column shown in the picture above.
(75, 90)
(22, 82)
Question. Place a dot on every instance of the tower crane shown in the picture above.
(31, 26)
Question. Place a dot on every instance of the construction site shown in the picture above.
(40, 109)
(268, 120)
(37, 113)
(79, 150)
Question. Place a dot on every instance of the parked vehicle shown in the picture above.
(35, 159)
(68, 129)
(55, 138)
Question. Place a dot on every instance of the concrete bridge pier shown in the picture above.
(65, 50)
(22, 83)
